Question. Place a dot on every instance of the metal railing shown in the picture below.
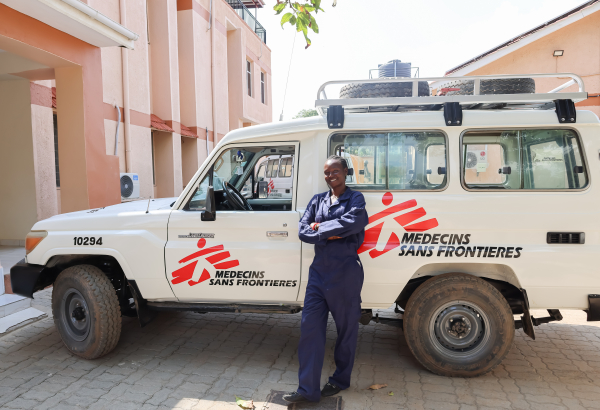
(475, 97)
(245, 14)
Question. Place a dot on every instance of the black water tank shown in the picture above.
(394, 68)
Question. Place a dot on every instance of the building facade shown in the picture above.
(92, 89)
(569, 43)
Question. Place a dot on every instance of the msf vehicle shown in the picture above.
(482, 200)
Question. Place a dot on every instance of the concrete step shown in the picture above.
(10, 304)
(19, 319)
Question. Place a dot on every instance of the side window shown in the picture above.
(435, 157)
(526, 159)
(552, 160)
(245, 169)
(198, 201)
(397, 160)
(483, 162)
(285, 167)
(272, 166)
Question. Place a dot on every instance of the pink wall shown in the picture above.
(234, 43)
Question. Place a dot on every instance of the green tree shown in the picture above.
(299, 15)
(306, 113)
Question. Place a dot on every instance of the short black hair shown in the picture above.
(339, 159)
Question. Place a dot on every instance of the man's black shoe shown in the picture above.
(294, 397)
(330, 390)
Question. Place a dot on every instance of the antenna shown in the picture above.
(148, 207)
(288, 78)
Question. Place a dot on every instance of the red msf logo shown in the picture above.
(271, 186)
(404, 219)
(186, 272)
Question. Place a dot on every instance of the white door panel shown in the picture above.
(240, 262)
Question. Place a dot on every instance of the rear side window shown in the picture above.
(393, 160)
(285, 167)
(272, 167)
(543, 159)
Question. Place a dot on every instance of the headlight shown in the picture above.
(33, 239)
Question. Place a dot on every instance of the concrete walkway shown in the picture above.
(193, 361)
(9, 256)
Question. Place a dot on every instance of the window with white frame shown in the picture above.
(263, 87)
(249, 77)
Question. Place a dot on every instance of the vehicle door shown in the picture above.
(242, 256)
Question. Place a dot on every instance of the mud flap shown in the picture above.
(144, 314)
(526, 321)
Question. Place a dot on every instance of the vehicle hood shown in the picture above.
(120, 216)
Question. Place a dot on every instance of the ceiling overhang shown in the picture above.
(76, 19)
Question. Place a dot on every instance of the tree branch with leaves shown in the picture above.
(300, 15)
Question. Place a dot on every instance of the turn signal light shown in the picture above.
(33, 239)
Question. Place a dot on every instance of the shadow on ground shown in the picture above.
(194, 361)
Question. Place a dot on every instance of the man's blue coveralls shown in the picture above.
(334, 284)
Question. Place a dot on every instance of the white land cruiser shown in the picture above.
(481, 200)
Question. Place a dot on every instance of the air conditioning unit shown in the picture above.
(130, 186)
(474, 157)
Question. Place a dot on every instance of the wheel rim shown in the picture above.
(459, 329)
(75, 315)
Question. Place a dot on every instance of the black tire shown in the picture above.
(379, 90)
(497, 86)
(86, 311)
(458, 325)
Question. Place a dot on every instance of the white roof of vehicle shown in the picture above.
(426, 120)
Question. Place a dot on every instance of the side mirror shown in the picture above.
(209, 214)
(441, 170)
(504, 170)
(263, 189)
(350, 171)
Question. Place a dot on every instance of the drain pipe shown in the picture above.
(126, 127)
(213, 75)
(117, 133)
(206, 142)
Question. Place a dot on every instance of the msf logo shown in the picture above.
(217, 259)
(270, 187)
(406, 220)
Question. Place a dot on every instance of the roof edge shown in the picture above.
(520, 37)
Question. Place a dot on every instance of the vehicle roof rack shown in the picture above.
(474, 100)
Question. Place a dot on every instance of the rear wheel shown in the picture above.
(458, 325)
(86, 311)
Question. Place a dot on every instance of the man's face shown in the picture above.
(335, 175)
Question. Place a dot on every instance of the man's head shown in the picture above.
(335, 170)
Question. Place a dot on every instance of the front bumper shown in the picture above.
(24, 277)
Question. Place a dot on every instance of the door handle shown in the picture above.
(277, 234)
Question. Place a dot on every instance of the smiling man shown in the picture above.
(334, 221)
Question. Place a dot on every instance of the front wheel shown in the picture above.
(86, 311)
(458, 325)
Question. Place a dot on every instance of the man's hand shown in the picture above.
(314, 226)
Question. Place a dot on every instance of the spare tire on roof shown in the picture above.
(382, 90)
(496, 86)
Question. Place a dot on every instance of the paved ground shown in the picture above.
(9, 256)
(193, 361)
